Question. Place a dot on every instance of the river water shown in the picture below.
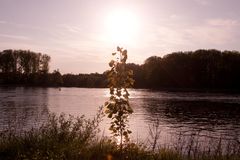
(208, 115)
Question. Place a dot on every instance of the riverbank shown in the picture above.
(68, 137)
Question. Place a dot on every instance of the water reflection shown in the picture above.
(205, 114)
(23, 108)
(196, 115)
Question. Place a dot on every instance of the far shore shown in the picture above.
(197, 90)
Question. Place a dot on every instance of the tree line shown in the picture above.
(200, 69)
(22, 61)
(209, 69)
(23, 67)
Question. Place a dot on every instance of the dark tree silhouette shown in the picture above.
(210, 69)
(200, 69)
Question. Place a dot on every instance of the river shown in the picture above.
(208, 115)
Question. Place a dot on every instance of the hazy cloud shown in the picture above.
(19, 37)
(71, 28)
(223, 22)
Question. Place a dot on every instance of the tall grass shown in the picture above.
(61, 137)
(68, 137)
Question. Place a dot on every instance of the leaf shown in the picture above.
(129, 132)
(125, 133)
(111, 63)
(118, 48)
(110, 116)
(124, 53)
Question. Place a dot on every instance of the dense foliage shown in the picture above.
(201, 69)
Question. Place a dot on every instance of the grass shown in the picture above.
(67, 137)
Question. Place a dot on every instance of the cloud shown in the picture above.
(223, 22)
(18, 37)
(3, 22)
(215, 32)
(71, 28)
(210, 33)
(208, 36)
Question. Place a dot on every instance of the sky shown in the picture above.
(80, 35)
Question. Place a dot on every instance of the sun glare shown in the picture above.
(122, 27)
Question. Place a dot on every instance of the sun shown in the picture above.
(122, 27)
